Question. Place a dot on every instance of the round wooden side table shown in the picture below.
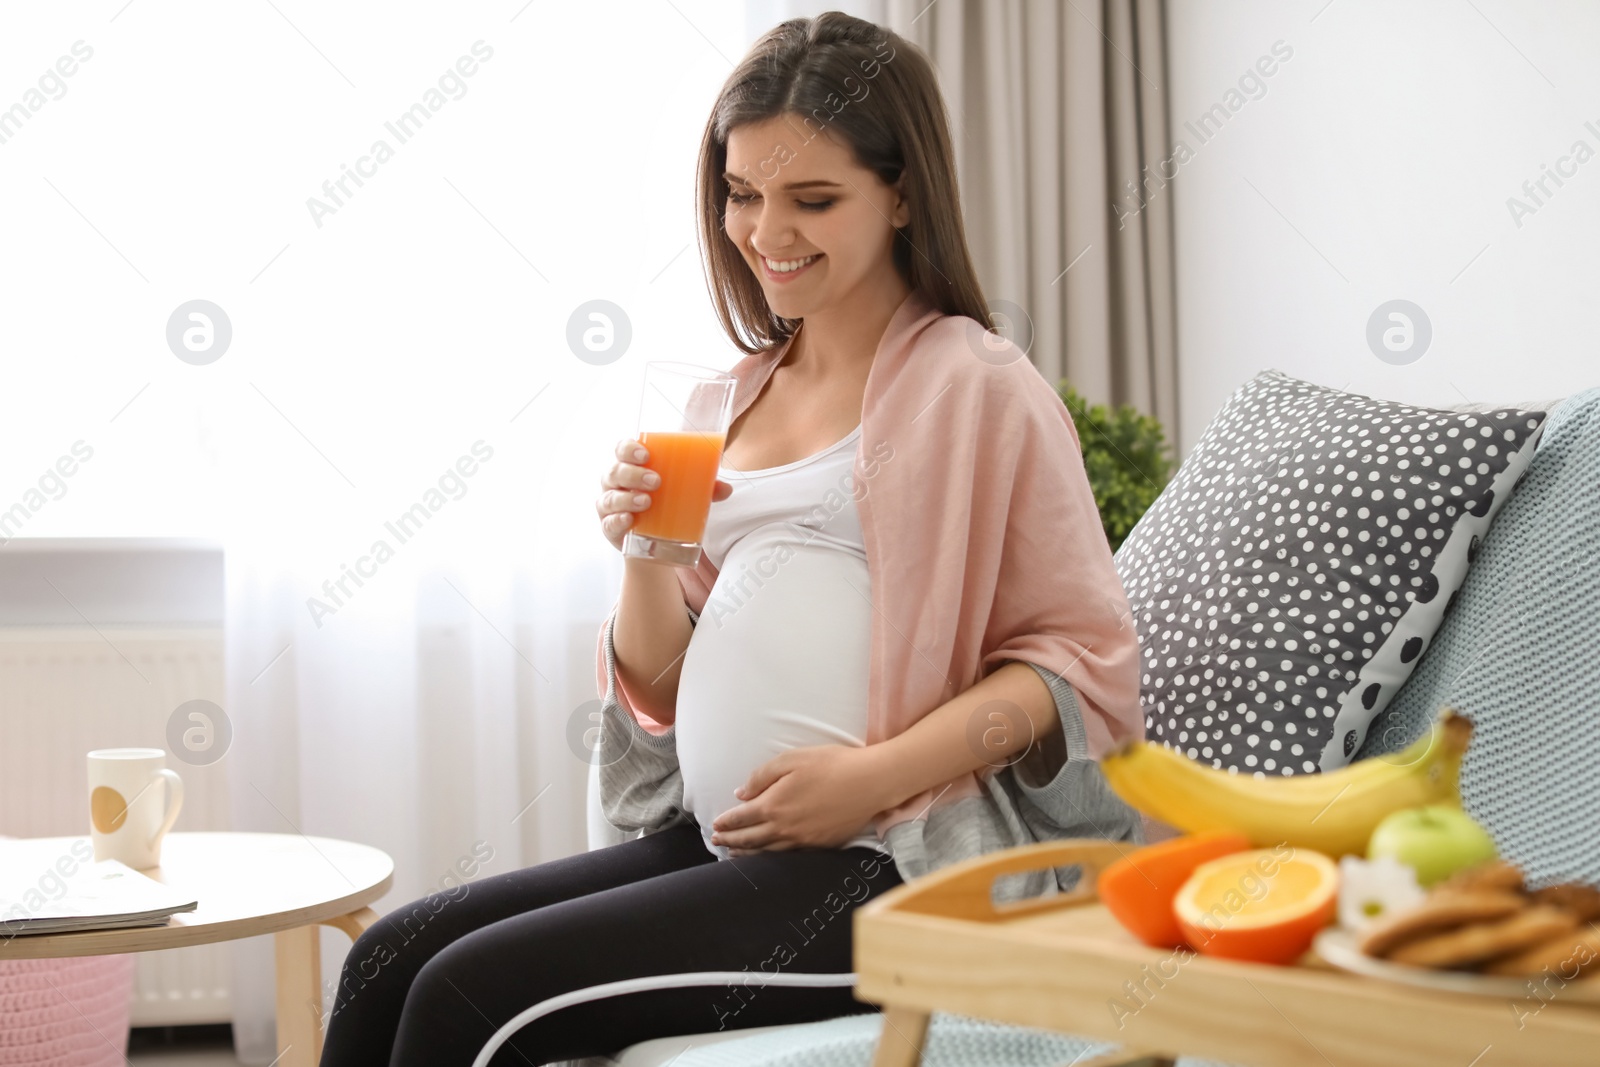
(246, 884)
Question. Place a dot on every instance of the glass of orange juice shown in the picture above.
(683, 422)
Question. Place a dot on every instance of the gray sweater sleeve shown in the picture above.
(1060, 791)
(641, 787)
(1054, 790)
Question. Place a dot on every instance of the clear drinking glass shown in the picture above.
(683, 421)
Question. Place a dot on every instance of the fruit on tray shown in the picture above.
(1265, 905)
(1333, 813)
(1484, 919)
(1436, 841)
(1138, 889)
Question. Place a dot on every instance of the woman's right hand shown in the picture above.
(625, 490)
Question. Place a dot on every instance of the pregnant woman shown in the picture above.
(904, 644)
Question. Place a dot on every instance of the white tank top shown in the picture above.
(779, 657)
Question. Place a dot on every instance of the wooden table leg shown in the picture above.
(904, 1032)
(1124, 1058)
(299, 997)
(355, 924)
(299, 963)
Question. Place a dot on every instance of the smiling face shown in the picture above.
(808, 205)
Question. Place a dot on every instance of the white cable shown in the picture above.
(654, 981)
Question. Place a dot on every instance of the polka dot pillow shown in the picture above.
(1288, 578)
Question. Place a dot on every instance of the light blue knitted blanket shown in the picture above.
(952, 1041)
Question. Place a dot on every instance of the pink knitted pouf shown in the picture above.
(65, 1013)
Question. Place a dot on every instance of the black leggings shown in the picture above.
(430, 982)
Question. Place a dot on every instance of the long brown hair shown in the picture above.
(878, 93)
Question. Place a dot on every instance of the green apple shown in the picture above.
(1437, 841)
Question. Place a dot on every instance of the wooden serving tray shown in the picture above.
(1063, 963)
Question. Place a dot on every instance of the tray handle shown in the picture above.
(964, 890)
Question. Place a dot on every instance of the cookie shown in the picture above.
(1469, 945)
(1441, 910)
(1494, 875)
(1583, 901)
(1567, 955)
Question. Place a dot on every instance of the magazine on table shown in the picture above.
(102, 895)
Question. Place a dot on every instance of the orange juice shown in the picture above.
(687, 462)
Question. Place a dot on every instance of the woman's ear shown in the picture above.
(902, 210)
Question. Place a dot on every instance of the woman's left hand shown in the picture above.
(820, 796)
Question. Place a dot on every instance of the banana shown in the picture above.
(1333, 813)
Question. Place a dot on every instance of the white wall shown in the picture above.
(1376, 165)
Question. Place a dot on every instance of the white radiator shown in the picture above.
(66, 689)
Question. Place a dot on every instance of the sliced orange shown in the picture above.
(1265, 905)
(1138, 889)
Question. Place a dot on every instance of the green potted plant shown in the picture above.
(1126, 456)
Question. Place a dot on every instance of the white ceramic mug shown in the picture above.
(133, 801)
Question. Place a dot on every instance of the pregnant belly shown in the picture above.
(778, 660)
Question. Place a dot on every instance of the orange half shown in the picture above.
(1138, 889)
(1265, 905)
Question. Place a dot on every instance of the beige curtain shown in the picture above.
(1060, 118)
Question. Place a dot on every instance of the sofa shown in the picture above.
(1515, 650)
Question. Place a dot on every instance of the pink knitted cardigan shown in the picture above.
(982, 537)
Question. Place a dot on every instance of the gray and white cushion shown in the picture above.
(1286, 581)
